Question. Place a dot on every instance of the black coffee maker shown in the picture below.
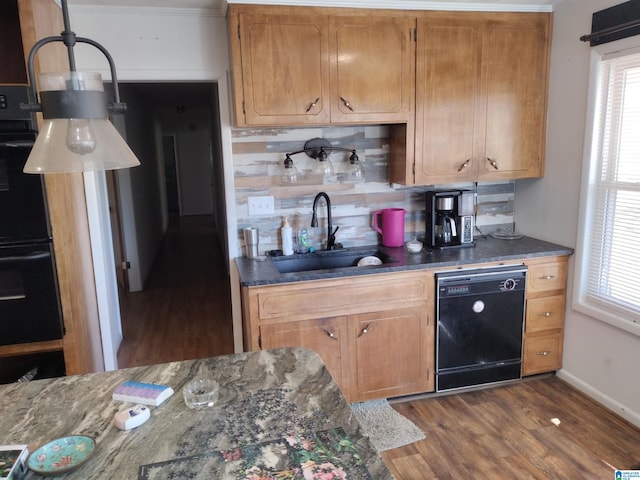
(450, 216)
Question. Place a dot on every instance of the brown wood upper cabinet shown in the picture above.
(481, 90)
(310, 66)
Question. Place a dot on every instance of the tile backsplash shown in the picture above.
(258, 156)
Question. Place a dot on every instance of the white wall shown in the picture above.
(168, 44)
(192, 129)
(153, 44)
(599, 359)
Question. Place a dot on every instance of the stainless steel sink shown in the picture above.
(326, 260)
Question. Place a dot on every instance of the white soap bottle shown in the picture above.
(287, 237)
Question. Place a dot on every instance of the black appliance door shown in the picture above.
(476, 330)
(29, 306)
(23, 215)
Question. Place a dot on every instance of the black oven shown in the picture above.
(29, 299)
(29, 305)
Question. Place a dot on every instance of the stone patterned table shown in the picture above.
(264, 397)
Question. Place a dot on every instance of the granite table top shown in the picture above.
(254, 272)
(273, 404)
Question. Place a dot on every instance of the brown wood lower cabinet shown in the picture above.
(325, 336)
(389, 351)
(374, 332)
(544, 319)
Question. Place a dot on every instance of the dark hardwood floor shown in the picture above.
(496, 433)
(184, 311)
(506, 433)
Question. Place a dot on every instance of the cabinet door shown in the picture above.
(515, 65)
(447, 89)
(391, 353)
(326, 336)
(285, 70)
(372, 66)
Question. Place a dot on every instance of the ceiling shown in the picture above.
(220, 6)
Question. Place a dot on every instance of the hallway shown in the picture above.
(185, 310)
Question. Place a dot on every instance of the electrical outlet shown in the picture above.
(261, 205)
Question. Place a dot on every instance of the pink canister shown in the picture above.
(391, 227)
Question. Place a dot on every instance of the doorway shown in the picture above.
(168, 207)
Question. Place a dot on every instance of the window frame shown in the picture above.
(617, 317)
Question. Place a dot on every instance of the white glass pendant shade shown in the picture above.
(356, 172)
(52, 153)
(76, 135)
(324, 168)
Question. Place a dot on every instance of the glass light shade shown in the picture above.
(324, 168)
(289, 174)
(76, 135)
(355, 172)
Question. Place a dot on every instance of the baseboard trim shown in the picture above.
(598, 396)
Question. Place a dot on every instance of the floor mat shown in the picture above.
(385, 427)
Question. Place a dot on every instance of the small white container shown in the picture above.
(414, 246)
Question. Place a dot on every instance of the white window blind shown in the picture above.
(613, 271)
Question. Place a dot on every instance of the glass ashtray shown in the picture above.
(200, 393)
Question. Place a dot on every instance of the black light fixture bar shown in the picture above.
(317, 148)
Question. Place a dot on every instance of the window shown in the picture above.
(609, 274)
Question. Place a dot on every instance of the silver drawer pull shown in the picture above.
(346, 104)
(543, 354)
(364, 330)
(312, 105)
(464, 165)
(330, 334)
(547, 277)
(17, 296)
(545, 314)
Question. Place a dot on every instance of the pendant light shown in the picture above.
(76, 135)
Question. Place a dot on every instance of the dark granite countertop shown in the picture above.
(263, 272)
(270, 401)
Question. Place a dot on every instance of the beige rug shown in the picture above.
(385, 427)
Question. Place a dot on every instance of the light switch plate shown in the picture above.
(262, 205)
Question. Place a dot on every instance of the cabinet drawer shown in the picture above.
(545, 313)
(369, 293)
(542, 354)
(547, 276)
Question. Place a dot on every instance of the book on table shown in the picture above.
(12, 461)
(143, 393)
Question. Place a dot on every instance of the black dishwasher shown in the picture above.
(480, 316)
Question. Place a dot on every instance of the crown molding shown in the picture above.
(451, 5)
(147, 11)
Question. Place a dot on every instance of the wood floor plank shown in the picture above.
(184, 312)
(506, 432)
(411, 467)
